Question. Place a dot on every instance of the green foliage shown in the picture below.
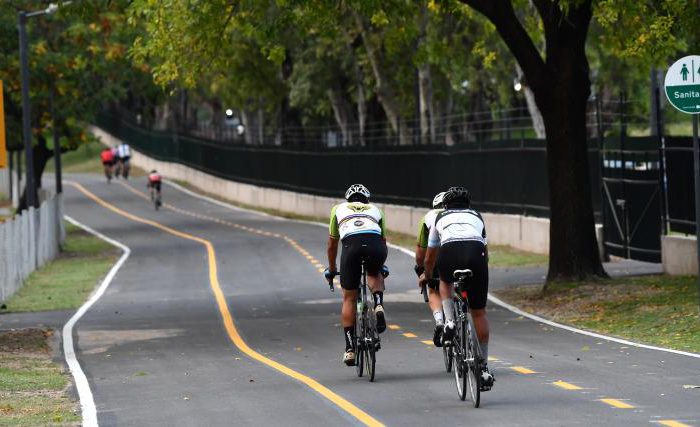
(79, 53)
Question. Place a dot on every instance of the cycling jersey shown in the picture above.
(350, 218)
(456, 225)
(426, 223)
(124, 151)
(154, 177)
(107, 156)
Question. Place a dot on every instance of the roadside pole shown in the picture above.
(696, 162)
(682, 87)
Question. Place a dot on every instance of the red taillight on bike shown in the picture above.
(464, 294)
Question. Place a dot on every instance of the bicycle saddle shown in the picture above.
(461, 274)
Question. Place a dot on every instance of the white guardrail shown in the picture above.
(28, 241)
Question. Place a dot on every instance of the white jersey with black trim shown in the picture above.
(123, 150)
(456, 225)
(353, 218)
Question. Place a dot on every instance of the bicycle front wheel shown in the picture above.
(459, 350)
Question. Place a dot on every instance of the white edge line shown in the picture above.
(87, 403)
(491, 297)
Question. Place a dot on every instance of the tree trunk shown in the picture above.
(561, 86)
(383, 88)
(41, 156)
(535, 115)
(342, 111)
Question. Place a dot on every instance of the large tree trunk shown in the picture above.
(561, 86)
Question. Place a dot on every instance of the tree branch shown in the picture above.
(502, 15)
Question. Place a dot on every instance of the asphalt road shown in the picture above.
(156, 350)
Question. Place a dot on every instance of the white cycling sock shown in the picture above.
(448, 310)
(437, 315)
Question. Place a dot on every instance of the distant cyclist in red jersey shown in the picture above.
(107, 157)
(154, 180)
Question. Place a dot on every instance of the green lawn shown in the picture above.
(66, 282)
(33, 389)
(659, 310)
(86, 159)
(32, 386)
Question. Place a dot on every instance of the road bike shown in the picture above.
(466, 352)
(155, 197)
(367, 341)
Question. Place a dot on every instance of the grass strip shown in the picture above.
(658, 310)
(67, 281)
(86, 159)
(499, 255)
(32, 387)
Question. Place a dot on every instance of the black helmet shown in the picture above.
(457, 197)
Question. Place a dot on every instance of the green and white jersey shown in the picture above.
(353, 218)
(426, 223)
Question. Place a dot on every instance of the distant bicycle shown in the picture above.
(465, 351)
(154, 181)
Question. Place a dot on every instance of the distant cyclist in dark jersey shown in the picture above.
(434, 301)
(359, 226)
(458, 241)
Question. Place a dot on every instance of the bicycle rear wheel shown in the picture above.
(447, 357)
(459, 351)
(370, 360)
(474, 373)
(359, 344)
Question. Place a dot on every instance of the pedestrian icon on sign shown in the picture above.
(684, 72)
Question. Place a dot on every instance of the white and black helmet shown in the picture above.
(438, 199)
(357, 189)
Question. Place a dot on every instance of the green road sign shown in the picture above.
(682, 84)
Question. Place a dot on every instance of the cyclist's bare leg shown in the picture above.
(481, 324)
(349, 308)
(375, 283)
(434, 300)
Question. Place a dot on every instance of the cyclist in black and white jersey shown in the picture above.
(458, 241)
(359, 226)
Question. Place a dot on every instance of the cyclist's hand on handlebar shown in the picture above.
(423, 281)
(419, 269)
(384, 270)
(329, 275)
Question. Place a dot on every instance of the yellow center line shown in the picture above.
(426, 342)
(566, 386)
(522, 370)
(617, 403)
(494, 359)
(394, 327)
(672, 423)
(229, 325)
(292, 242)
(409, 335)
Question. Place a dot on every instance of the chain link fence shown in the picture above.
(28, 241)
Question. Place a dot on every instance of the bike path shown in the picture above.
(283, 309)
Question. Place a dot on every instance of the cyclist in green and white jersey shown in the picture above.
(434, 300)
(359, 226)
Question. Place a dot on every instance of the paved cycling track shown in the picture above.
(156, 351)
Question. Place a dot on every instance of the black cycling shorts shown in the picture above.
(155, 184)
(469, 254)
(356, 247)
